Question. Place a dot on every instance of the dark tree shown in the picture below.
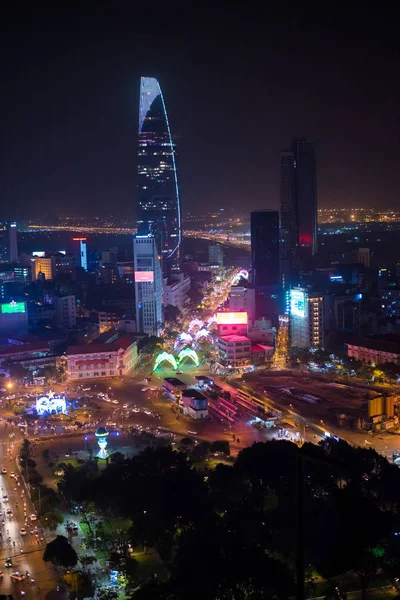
(60, 552)
(221, 446)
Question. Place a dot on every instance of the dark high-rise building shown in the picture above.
(8, 242)
(264, 232)
(158, 204)
(298, 200)
(265, 241)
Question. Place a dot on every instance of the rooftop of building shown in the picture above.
(193, 393)
(387, 344)
(174, 381)
(261, 348)
(234, 338)
(122, 343)
(18, 348)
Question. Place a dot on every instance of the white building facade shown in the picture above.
(176, 290)
(306, 318)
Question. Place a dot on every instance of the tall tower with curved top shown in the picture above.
(158, 204)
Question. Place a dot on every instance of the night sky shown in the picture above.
(237, 88)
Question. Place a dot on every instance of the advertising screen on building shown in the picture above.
(13, 307)
(142, 276)
(232, 318)
(297, 303)
(39, 253)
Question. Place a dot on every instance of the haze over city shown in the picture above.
(237, 87)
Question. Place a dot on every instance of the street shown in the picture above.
(30, 559)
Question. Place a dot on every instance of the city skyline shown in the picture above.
(71, 114)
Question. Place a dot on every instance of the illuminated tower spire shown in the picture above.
(158, 204)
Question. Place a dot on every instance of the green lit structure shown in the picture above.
(165, 357)
(188, 353)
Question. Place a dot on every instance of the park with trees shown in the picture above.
(277, 522)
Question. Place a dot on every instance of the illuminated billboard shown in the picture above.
(143, 276)
(39, 253)
(232, 318)
(297, 303)
(13, 307)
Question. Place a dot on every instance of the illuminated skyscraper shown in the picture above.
(158, 204)
(298, 200)
(148, 285)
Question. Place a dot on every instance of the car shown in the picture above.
(136, 409)
(5, 498)
(33, 517)
(23, 531)
(12, 474)
(1, 574)
(9, 513)
(4, 471)
(8, 562)
(17, 576)
(125, 405)
(147, 412)
(115, 401)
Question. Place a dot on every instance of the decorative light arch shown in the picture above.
(212, 321)
(195, 323)
(185, 337)
(202, 333)
(188, 353)
(165, 357)
(243, 274)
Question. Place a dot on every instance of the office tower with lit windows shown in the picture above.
(158, 203)
(298, 201)
(8, 242)
(216, 254)
(148, 285)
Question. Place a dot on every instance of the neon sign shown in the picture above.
(144, 276)
(297, 303)
(13, 307)
(232, 318)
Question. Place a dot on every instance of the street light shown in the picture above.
(9, 385)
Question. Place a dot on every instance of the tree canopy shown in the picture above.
(60, 552)
(251, 526)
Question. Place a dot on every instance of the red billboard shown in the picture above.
(142, 276)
